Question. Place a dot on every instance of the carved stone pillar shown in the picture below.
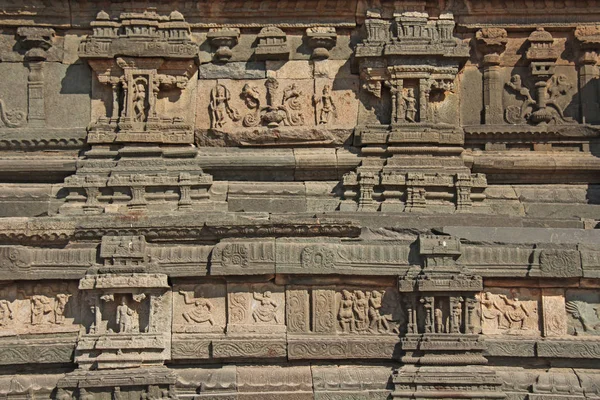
(38, 41)
(491, 42)
(589, 41)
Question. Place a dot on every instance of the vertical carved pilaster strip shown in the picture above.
(424, 90)
(411, 313)
(297, 311)
(491, 42)
(554, 315)
(35, 95)
(396, 87)
(324, 311)
(470, 306)
(589, 90)
(428, 308)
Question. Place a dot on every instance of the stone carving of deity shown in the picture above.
(267, 308)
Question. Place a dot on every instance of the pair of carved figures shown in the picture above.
(501, 312)
(547, 108)
(44, 306)
(362, 312)
(444, 325)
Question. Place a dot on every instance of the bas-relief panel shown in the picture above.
(39, 307)
(199, 307)
(520, 96)
(257, 308)
(344, 311)
(583, 312)
(510, 311)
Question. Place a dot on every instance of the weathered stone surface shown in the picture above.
(299, 200)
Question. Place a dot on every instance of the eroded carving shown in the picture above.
(288, 112)
(219, 107)
(364, 312)
(325, 106)
(508, 314)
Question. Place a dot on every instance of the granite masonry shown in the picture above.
(303, 199)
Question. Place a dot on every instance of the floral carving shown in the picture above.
(12, 118)
(318, 257)
(235, 255)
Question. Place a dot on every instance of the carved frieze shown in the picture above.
(256, 308)
(37, 307)
(199, 308)
(510, 311)
(583, 312)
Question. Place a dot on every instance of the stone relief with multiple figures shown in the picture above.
(183, 255)
(510, 311)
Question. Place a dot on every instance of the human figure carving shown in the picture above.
(378, 322)
(490, 311)
(41, 305)
(267, 310)
(60, 303)
(6, 310)
(328, 108)
(124, 316)
(411, 105)
(220, 108)
(139, 102)
(516, 313)
(361, 309)
(345, 312)
(202, 311)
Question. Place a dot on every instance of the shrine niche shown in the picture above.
(139, 87)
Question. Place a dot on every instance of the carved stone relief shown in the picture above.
(199, 308)
(256, 308)
(583, 312)
(39, 307)
(510, 311)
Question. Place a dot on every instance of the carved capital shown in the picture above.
(321, 40)
(223, 39)
(36, 40)
(491, 42)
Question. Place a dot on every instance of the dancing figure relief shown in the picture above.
(266, 312)
(202, 311)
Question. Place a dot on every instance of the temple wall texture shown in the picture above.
(300, 199)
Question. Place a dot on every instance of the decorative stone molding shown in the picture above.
(224, 39)
(321, 40)
(272, 44)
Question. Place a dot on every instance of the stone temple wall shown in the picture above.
(300, 199)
